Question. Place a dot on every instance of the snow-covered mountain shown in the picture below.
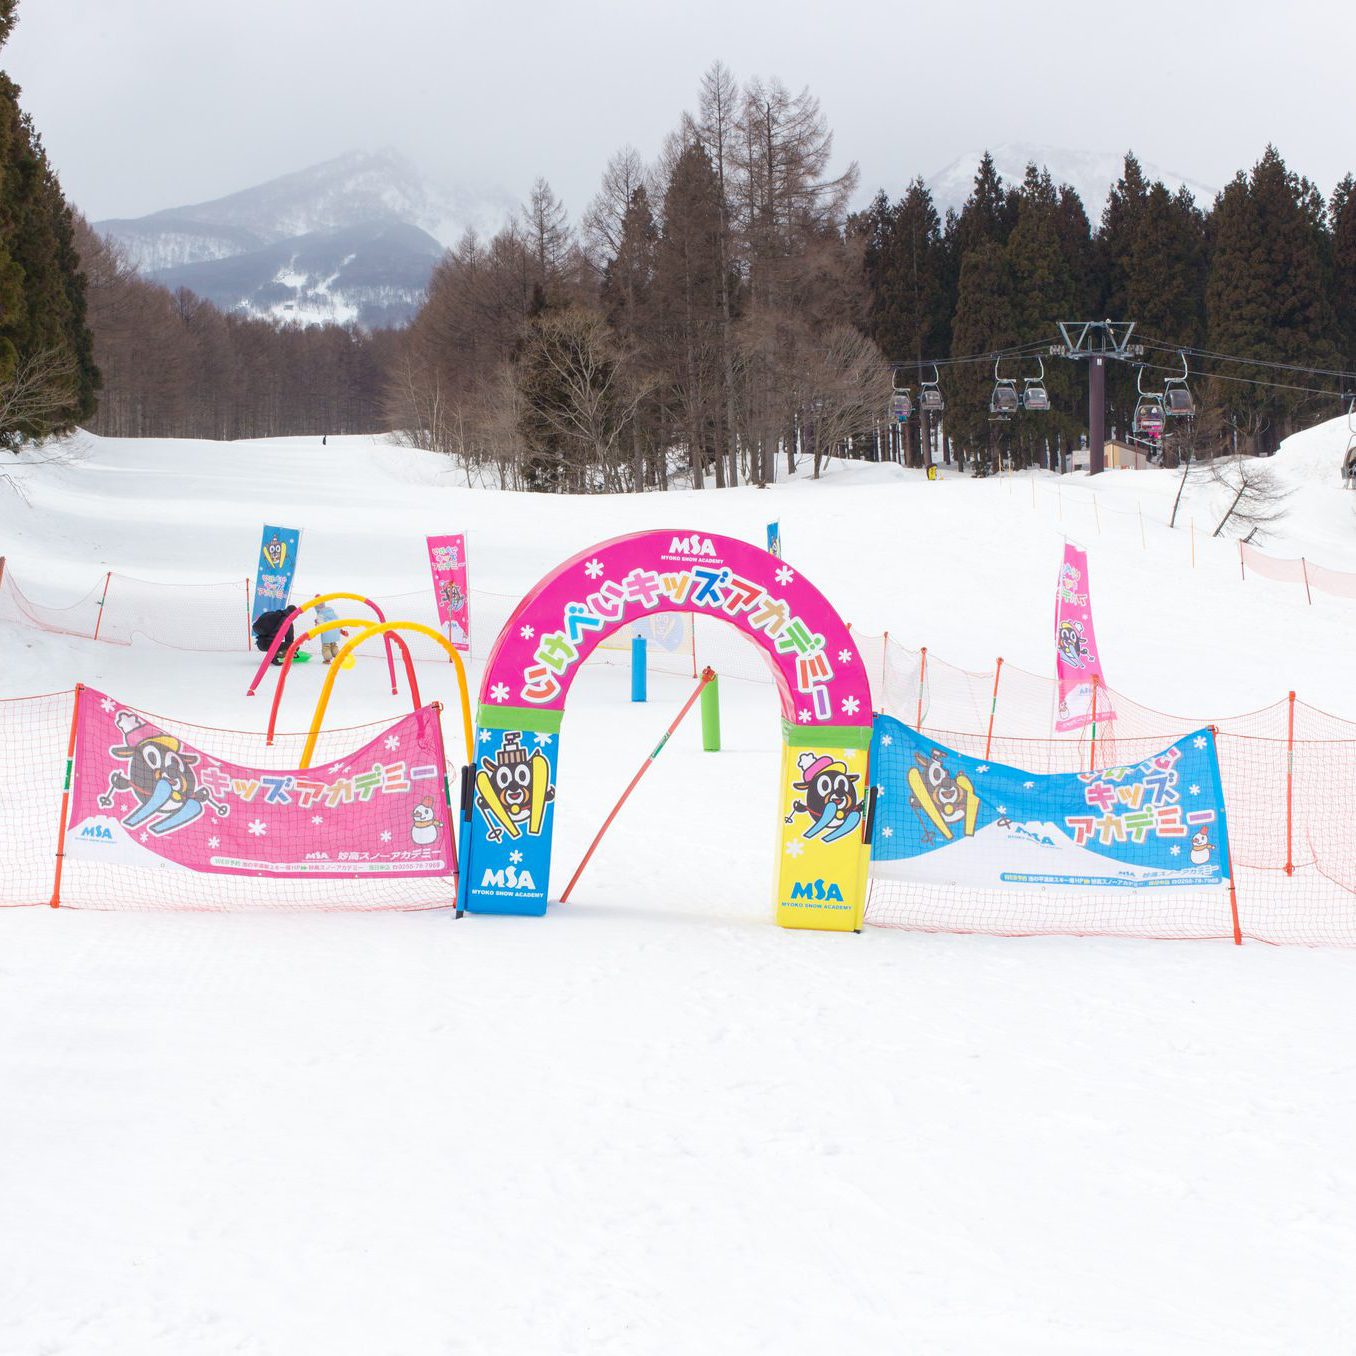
(257, 229)
(1089, 173)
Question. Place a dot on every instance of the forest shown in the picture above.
(733, 307)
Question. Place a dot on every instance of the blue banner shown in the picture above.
(276, 570)
(945, 817)
(774, 539)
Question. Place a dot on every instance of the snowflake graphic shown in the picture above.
(981, 767)
(214, 842)
(794, 848)
(515, 856)
(1193, 790)
(1199, 742)
(887, 832)
(542, 740)
(499, 692)
(385, 835)
(258, 828)
(886, 741)
(392, 741)
(850, 705)
(527, 633)
(784, 575)
(594, 568)
(485, 736)
(317, 820)
(1002, 809)
(880, 793)
(1176, 850)
(1028, 785)
(108, 703)
(845, 656)
(145, 837)
(804, 717)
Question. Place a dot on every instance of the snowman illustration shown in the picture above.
(1201, 848)
(426, 825)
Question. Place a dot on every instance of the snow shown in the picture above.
(652, 1121)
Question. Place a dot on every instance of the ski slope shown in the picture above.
(652, 1121)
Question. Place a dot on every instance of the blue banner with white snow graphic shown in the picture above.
(945, 817)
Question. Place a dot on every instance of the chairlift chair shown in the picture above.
(930, 394)
(900, 406)
(1034, 394)
(1177, 400)
(1149, 416)
(1005, 402)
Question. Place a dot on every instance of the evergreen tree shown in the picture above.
(985, 320)
(1115, 241)
(1342, 216)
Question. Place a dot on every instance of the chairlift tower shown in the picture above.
(1097, 342)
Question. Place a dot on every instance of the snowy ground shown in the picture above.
(653, 1122)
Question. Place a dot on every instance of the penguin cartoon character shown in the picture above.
(513, 789)
(947, 802)
(160, 775)
(831, 798)
(426, 823)
(1201, 847)
(1071, 645)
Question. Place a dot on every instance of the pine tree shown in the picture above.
(1115, 240)
(985, 320)
(1342, 216)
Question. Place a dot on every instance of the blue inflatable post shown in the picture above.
(637, 668)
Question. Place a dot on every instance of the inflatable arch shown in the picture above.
(508, 810)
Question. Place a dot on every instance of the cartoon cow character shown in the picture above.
(513, 789)
(1071, 645)
(426, 823)
(831, 798)
(944, 800)
(1201, 847)
(160, 775)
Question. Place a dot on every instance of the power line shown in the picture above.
(1164, 347)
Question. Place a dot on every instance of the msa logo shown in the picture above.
(692, 546)
(816, 889)
(98, 832)
(507, 878)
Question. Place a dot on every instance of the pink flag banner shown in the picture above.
(144, 797)
(447, 561)
(1083, 696)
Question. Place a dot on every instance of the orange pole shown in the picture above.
(1242, 573)
(1290, 790)
(380, 628)
(1233, 866)
(66, 799)
(707, 675)
(290, 656)
(922, 675)
(1304, 565)
(249, 630)
(993, 706)
(99, 620)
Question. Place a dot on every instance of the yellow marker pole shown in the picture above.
(378, 629)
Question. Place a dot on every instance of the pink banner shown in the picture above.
(143, 797)
(447, 561)
(1078, 665)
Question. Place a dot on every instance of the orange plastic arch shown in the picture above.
(315, 602)
(329, 626)
(380, 628)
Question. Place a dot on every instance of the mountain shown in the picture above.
(1089, 173)
(373, 274)
(283, 238)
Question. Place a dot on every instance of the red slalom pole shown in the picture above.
(707, 675)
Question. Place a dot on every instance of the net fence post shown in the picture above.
(993, 706)
(922, 679)
(1229, 848)
(249, 625)
(884, 667)
(99, 619)
(1242, 573)
(66, 799)
(1304, 567)
(1290, 787)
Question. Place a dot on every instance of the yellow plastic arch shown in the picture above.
(295, 613)
(377, 629)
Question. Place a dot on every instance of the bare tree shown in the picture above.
(605, 217)
(1257, 497)
(41, 389)
(846, 385)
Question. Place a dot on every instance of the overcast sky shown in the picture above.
(145, 104)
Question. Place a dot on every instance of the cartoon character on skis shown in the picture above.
(945, 801)
(160, 775)
(1070, 643)
(513, 789)
(831, 798)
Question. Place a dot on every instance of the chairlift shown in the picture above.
(900, 406)
(1177, 401)
(1034, 394)
(930, 394)
(1349, 456)
(1149, 416)
(1005, 402)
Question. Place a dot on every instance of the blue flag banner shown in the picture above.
(946, 818)
(277, 568)
(774, 539)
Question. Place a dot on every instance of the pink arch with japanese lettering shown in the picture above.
(818, 670)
